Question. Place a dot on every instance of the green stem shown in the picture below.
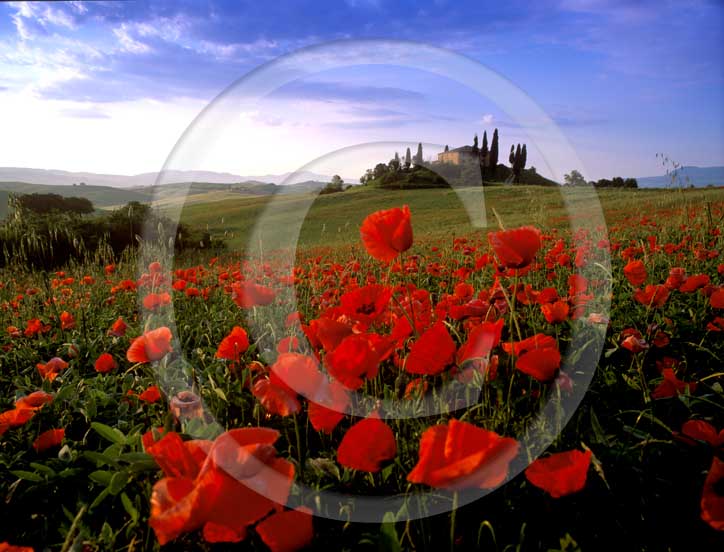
(452, 520)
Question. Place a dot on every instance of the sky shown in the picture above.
(111, 87)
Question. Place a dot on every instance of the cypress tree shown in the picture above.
(511, 157)
(484, 154)
(418, 155)
(475, 145)
(408, 159)
(517, 159)
(494, 152)
(524, 157)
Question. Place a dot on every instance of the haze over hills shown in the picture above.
(54, 177)
(685, 176)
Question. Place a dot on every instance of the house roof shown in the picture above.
(464, 149)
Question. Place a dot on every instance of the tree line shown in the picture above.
(575, 178)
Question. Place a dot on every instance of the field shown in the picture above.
(530, 369)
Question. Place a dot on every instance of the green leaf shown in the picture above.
(27, 476)
(132, 457)
(118, 482)
(389, 541)
(64, 393)
(99, 458)
(221, 394)
(129, 507)
(103, 494)
(101, 477)
(50, 472)
(109, 433)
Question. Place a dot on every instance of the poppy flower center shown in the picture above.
(718, 487)
(367, 308)
(185, 405)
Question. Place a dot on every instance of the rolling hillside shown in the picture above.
(437, 213)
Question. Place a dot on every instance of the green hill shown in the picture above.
(437, 213)
(446, 175)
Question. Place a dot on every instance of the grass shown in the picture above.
(334, 219)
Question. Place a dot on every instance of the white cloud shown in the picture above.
(488, 119)
(128, 43)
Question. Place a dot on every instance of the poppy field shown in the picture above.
(520, 387)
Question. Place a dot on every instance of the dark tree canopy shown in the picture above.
(47, 203)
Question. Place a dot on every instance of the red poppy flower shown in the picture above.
(15, 418)
(233, 345)
(555, 313)
(712, 499)
(672, 386)
(7, 547)
(151, 346)
(276, 399)
(174, 456)
(154, 267)
(67, 322)
(223, 499)
(481, 340)
(49, 439)
(118, 329)
(560, 474)
(328, 332)
(249, 294)
(105, 363)
(34, 401)
(299, 373)
(542, 364)
(716, 325)
(366, 445)
(288, 344)
(677, 276)
(635, 272)
(634, 343)
(537, 341)
(460, 455)
(386, 234)
(716, 300)
(287, 531)
(150, 395)
(432, 352)
(355, 358)
(366, 304)
(331, 408)
(52, 368)
(693, 283)
(652, 296)
(154, 301)
(516, 248)
(702, 431)
(34, 327)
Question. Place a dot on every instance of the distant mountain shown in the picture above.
(685, 176)
(53, 177)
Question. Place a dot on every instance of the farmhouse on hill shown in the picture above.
(456, 156)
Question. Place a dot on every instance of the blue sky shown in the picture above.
(111, 86)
